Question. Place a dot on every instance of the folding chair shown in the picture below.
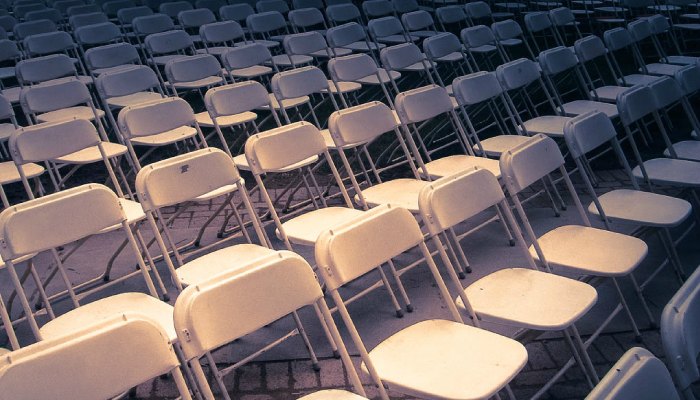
(446, 49)
(588, 132)
(158, 123)
(308, 19)
(10, 55)
(362, 69)
(453, 15)
(301, 4)
(573, 249)
(25, 29)
(638, 374)
(173, 8)
(509, 35)
(165, 46)
(332, 394)
(419, 23)
(270, 27)
(97, 35)
(60, 219)
(389, 31)
(60, 100)
(641, 31)
(377, 9)
(195, 73)
(218, 311)
(540, 28)
(53, 68)
(351, 36)
(619, 40)
(83, 9)
(50, 14)
(237, 12)
(212, 5)
(564, 21)
(110, 58)
(116, 354)
(436, 358)
(480, 41)
(603, 85)
(126, 17)
(192, 20)
(661, 29)
(150, 24)
(407, 59)
(219, 37)
(520, 297)
(250, 61)
(279, 6)
(340, 14)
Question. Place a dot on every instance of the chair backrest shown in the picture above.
(689, 79)
(48, 43)
(475, 88)
(400, 56)
(196, 17)
(9, 50)
(298, 82)
(405, 6)
(589, 48)
(172, 9)
(361, 124)
(57, 219)
(246, 56)
(168, 42)
(126, 81)
(6, 111)
(220, 32)
(192, 68)
(111, 55)
(587, 132)
(51, 140)
(54, 96)
(300, 4)
(385, 26)
(64, 5)
(236, 98)
(150, 24)
(441, 45)
(478, 10)
(423, 103)
(280, 147)
(537, 21)
(345, 34)
(155, 117)
(352, 67)
(659, 24)
(280, 6)
(635, 103)
(98, 362)
(79, 20)
(184, 177)
(640, 29)
(48, 13)
(42, 69)
(306, 17)
(417, 20)
(679, 333)
(476, 36)
(266, 22)
(342, 13)
(83, 9)
(617, 38)
(236, 12)
(95, 34)
(7, 23)
(356, 247)
(127, 15)
(304, 43)
(666, 90)
(111, 8)
(557, 60)
(377, 8)
(212, 5)
(21, 10)
(451, 14)
(452, 199)
(562, 16)
(517, 74)
(638, 374)
(218, 311)
(26, 29)
(507, 29)
(529, 162)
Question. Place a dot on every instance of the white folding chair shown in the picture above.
(351, 36)
(53, 67)
(165, 46)
(577, 249)
(638, 374)
(509, 34)
(591, 51)
(419, 23)
(249, 61)
(111, 57)
(362, 69)
(218, 311)
(436, 358)
(192, 20)
(388, 31)
(339, 14)
(60, 100)
(480, 42)
(102, 360)
(195, 73)
(446, 49)
(620, 40)
(219, 37)
(377, 9)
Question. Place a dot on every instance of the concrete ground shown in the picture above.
(285, 372)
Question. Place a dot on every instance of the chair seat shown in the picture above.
(345, 87)
(215, 50)
(452, 57)
(423, 34)
(447, 360)
(591, 251)
(510, 42)
(133, 99)
(286, 103)
(162, 60)
(92, 154)
(268, 43)
(217, 192)
(643, 208)
(362, 46)
(683, 60)
(332, 394)
(11, 94)
(401, 192)
(689, 27)
(384, 75)
(133, 211)
(417, 67)
(686, 150)
(608, 93)
(251, 72)
(204, 119)
(284, 60)
(328, 139)
(7, 72)
(638, 79)
(6, 130)
(497, 145)
(79, 112)
(663, 69)
(396, 39)
(304, 229)
(485, 48)
(165, 138)
(108, 307)
(530, 299)
(551, 125)
(10, 174)
(200, 83)
(98, 71)
(219, 262)
(451, 165)
(338, 51)
(672, 172)
(242, 163)
(578, 107)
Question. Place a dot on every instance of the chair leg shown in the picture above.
(577, 356)
(390, 291)
(307, 342)
(584, 353)
(402, 290)
(623, 302)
